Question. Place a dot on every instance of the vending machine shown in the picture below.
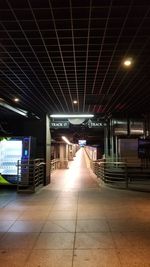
(12, 150)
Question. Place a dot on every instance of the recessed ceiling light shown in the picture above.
(16, 99)
(127, 62)
(75, 102)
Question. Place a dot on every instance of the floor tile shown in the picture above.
(133, 225)
(90, 214)
(62, 215)
(92, 226)
(131, 239)
(9, 215)
(36, 215)
(18, 240)
(50, 258)
(96, 258)
(13, 257)
(64, 206)
(5, 225)
(59, 226)
(55, 241)
(27, 226)
(93, 240)
(134, 257)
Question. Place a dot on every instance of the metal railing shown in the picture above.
(122, 174)
(112, 172)
(55, 164)
(30, 175)
(59, 164)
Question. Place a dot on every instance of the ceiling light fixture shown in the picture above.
(66, 140)
(17, 110)
(16, 99)
(72, 116)
(75, 102)
(127, 62)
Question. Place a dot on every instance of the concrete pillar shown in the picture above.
(116, 144)
(106, 141)
(112, 151)
(47, 149)
(63, 155)
(70, 152)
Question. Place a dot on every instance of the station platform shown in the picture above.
(75, 222)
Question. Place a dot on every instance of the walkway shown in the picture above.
(75, 223)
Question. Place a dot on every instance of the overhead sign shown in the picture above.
(59, 124)
(96, 124)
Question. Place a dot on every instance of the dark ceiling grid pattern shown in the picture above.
(29, 65)
(50, 62)
(99, 57)
(61, 55)
(121, 95)
(74, 59)
(113, 53)
(132, 86)
(19, 86)
(26, 38)
(87, 55)
(54, 52)
(36, 90)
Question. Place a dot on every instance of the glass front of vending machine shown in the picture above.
(12, 150)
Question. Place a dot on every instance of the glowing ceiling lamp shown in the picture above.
(66, 140)
(16, 99)
(127, 62)
(72, 116)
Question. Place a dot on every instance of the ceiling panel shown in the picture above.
(55, 52)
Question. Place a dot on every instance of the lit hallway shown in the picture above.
(75, 223)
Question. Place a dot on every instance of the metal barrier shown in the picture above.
(55, 164)
(113, 173)
(30, 175)
(121, 174)
(59, 164)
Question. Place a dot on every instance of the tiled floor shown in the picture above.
(75, 223)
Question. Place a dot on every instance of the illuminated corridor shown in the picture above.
(75, 223)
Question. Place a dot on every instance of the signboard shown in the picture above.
(96, 124)
(59, 124)
(65, 124)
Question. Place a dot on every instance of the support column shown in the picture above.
(47, 150)
(70, 152)
(63, 156)
(106, 141)
(112, 140)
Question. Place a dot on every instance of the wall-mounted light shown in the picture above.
(66, 140)
(72, 116)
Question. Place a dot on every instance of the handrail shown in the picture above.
(59, 164)
(42, 163)
(112, 162)
(30, 175)
(119, 173)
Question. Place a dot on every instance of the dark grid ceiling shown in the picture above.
(55, 51)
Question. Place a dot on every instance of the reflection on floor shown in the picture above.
(74, 222)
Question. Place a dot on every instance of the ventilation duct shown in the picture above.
(120, 127)
(136, 128)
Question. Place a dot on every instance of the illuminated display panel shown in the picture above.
(10, 153)
(82, 142)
